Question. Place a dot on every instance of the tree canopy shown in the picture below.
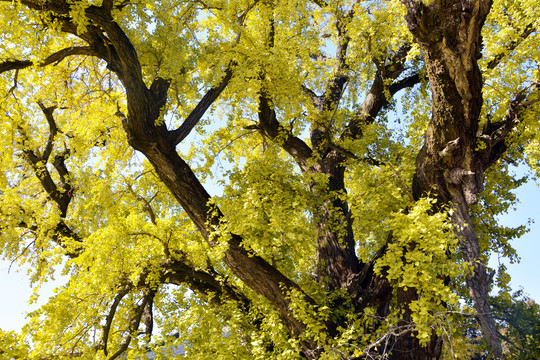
(277, 179)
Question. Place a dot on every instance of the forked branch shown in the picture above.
(377, 99)
(110, 316)
(135, 321)
(495, 134)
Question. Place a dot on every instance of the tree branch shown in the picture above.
(316, 100)
(376, 99)
(110, 316)
(134, 323)
(196, 114)
(205, 283)
(38, 162)
(405, 83)
(509, 47)
(336, 85)
(320, 3)
(60, 195)
(53, 130)
(146, 203)
(56, 58)
(495, 134)
(270, 127)
(14, 65)
(107, 5)
(328, 103)
(60, 55)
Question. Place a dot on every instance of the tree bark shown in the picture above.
(448, 167)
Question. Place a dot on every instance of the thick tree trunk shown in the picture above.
(449, 34)
(254, 271)
(336, 258)
(448, 166)
(407, 346)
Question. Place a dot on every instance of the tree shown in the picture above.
(520, 320)
(351, 143)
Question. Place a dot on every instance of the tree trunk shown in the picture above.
(449, 34)
(336, 258)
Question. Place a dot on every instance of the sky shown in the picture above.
(16, 290)
(525, 274)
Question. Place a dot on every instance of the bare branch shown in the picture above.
(56, 58)
(14, 65)
(396, 332)
(195, 116)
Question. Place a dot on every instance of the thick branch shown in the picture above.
(405, 83)
(56, 58)
(110, 316)
(107, 5)
(206, 283)
(14, 65)
(53, 130)
(495, 134)
(61, 168)
(336, 85)
(270, 127)
(44, 177)
(316, 100)
(60, 55)
(320, 3)
(328, 103)
(195, 116)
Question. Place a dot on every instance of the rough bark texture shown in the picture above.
(449, 34)
(447, 167)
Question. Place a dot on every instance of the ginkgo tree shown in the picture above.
(357, 152)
